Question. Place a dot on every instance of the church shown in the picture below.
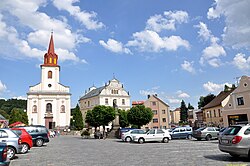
(48, 103)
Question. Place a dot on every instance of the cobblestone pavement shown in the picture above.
(75, 151)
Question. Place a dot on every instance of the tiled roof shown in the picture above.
(218, 99)
(94, 92)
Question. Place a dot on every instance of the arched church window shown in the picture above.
(62, 109)
(49, 74)
(55, 61)
(50, 60)
(49, 108)
(34, 109)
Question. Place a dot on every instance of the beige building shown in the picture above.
(175, 116)
(161, 118)
(237, 105)
(212, 112)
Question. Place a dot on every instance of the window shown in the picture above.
(123, 101)
(49, 74)
(219, 113)
(154, 112)
(49, 108)
(50, 60)
(163, 112)
(163, 119)
(3, 134)
(214, 113)
(55, 61)
(152, 131)
(160, 131)
(247, 132)
(155, 120)
(88, 103)
(114, 91)
(62, 109)
(154, 103)
(208, 114)
(210, 129)
(106, 101)
(240, 101)
(134, 132)
(182, 130)
(34, 109)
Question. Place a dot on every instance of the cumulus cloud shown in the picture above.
(86, 18)
(213, 87)
(25, 13)
(147, 92)
(174, 101)
(188, 66)
(214, 51)
(150, 41)
(182, 94)
(20, 97)
(114, 46)
(236, 14)
(2, 87)
(166, 21)
(241, 62)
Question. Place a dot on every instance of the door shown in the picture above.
(150, 135)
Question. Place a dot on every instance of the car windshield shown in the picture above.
(232, 130)
(200, 129)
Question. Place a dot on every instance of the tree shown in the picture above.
(18, 114)
(4, 114)
(90, 120)
(183, 112)
(123, 120)
(205, 100)
(139, 115)
(77, 120)
(190, 106)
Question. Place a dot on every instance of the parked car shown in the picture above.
(39, 134)
(128, 136)
(236, 140)
(181, 132)
(222, 130)
(124, 130)
(206, 133)
(12, 140)
(25, 137)
(153, 135)
(4, 161)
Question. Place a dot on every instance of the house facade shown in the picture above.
(175, 116)
(48, 103)
(237, 105)
(111, 94)
(161, 118)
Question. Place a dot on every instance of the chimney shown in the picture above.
(148, 96)
(156, 95)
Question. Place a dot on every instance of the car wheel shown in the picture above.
(25, 148)
(165, 140)
(11, 153)
(234, 155)
(189, 136)
(208, 137)
(128, 139)
(141, 140)
(39, 142)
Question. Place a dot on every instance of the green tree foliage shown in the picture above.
(183, 112)
(205, 100)
(4, 114)
(90, 120)
(18, 114)
(9, 104)
(139, 115)
(77, 120)
(123, 120)
(190, 106)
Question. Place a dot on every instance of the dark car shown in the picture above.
(4, 161)
(39, 134)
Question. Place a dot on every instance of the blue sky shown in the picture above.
(180, 50)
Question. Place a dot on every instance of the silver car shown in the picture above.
(128, 136)
(236, 140)
(13, 142)
(206, 133)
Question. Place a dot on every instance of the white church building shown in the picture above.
(48, 103)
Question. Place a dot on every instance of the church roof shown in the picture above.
(93, 93)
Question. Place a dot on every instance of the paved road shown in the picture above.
(74, 151)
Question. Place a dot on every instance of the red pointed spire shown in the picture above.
(50, 58)
(51, 45)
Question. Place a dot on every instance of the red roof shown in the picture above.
(137, 102)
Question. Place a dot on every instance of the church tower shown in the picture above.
(49, 101)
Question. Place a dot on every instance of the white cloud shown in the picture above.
(174, 101)
(188, 66)
(115, 46)
(213, 87)
(182, 94)
(236, 14)
(242, 62)
(166, 21)
(3, 87)
(25, 13)
(147, 92)
(203, 32)
(150, 41)
(86, 18)
(20, 97)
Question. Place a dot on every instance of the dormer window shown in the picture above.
(114, 91)
(49, 74)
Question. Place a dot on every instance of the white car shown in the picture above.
(127, 137)
(153, 135)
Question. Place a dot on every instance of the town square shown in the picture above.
(124, 82)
